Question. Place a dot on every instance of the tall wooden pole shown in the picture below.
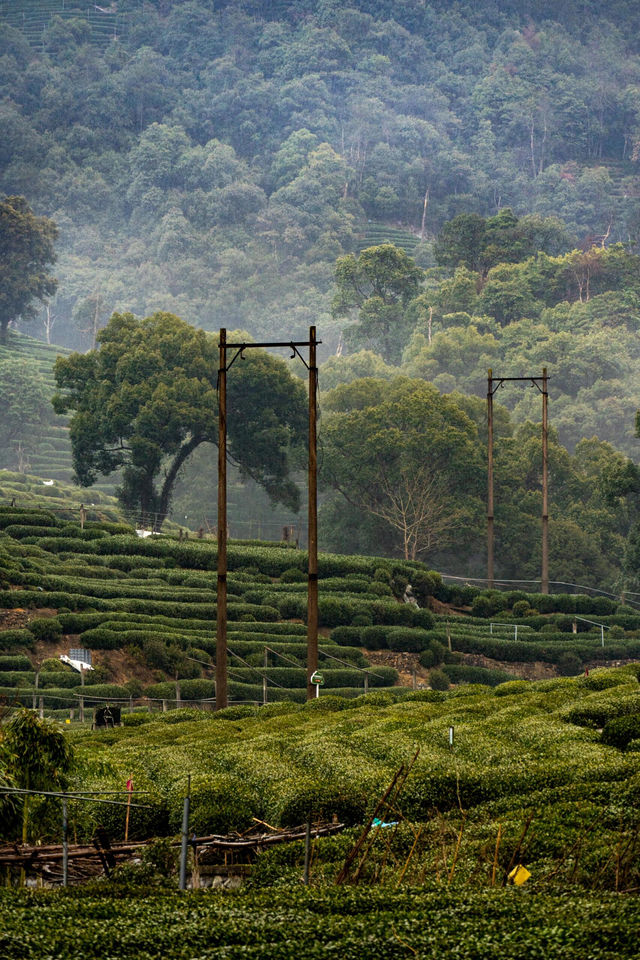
(545, 485)
(312, 594)
(490, 479)
(221, 617)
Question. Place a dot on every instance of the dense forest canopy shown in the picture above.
(441, 188)
(213, 159)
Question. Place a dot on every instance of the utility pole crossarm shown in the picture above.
(541, 384)
(312, 595)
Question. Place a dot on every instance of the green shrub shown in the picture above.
(521, 608)
(380, 589)
(53, 665)
(322, 799)
(47, 629)
(621, 731)
(424, 584)
(569, 664)
(19, 662)
(407, 640)
(15, 638)
(511, 687)
(438, 680)
(293, 575)
(462, 673)
(374, 638)
(597, 714)
(488, 604)
(604, 679)
(136, 719)
(362, 620)
(427, 696)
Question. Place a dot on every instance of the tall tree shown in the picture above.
(38, 757)
(402, 452)
(25, 405)
(375, 289)
(146, 399)
(26, 252)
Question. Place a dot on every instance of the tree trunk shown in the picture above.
(167, 487)
(424, 213)
(4, 325)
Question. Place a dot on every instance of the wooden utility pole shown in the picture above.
(312, 595)
(221, 609)
(493, 383)
(312, 591)
(490, 480)
(544, 586)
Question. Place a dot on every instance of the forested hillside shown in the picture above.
(213, 159)
(439, 189)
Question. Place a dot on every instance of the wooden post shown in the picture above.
(184, 844)
(545, 485)
(126, 822)
(307, 850)
(65, 843)
(312, 591)
(264, 678)
(221, 620)
(490, 480)
(36, 684)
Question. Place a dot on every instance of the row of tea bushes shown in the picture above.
(136, 920)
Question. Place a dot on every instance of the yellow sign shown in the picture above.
(67, 721)
(519, 875)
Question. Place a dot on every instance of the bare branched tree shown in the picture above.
(416, 504)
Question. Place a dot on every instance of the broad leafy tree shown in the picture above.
(146, 399)
(26, 253)
(37, 756)
(26, 408)
(406, 455)
(375, 289)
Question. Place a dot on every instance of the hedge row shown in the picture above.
(333, 612)
(407, 639)
(15, 638)
(620, 731)
(461, 673)
(495, 601)
(293, 678)
(18, 662)
(551, 652)
(75, 602)
(46, 680)
(597, 714)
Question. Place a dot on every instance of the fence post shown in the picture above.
(185, 837)
(264, 677)
(65, 843)
(307, 849)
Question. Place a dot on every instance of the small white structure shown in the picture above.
(78, 665)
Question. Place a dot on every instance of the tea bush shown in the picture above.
(620, 731)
